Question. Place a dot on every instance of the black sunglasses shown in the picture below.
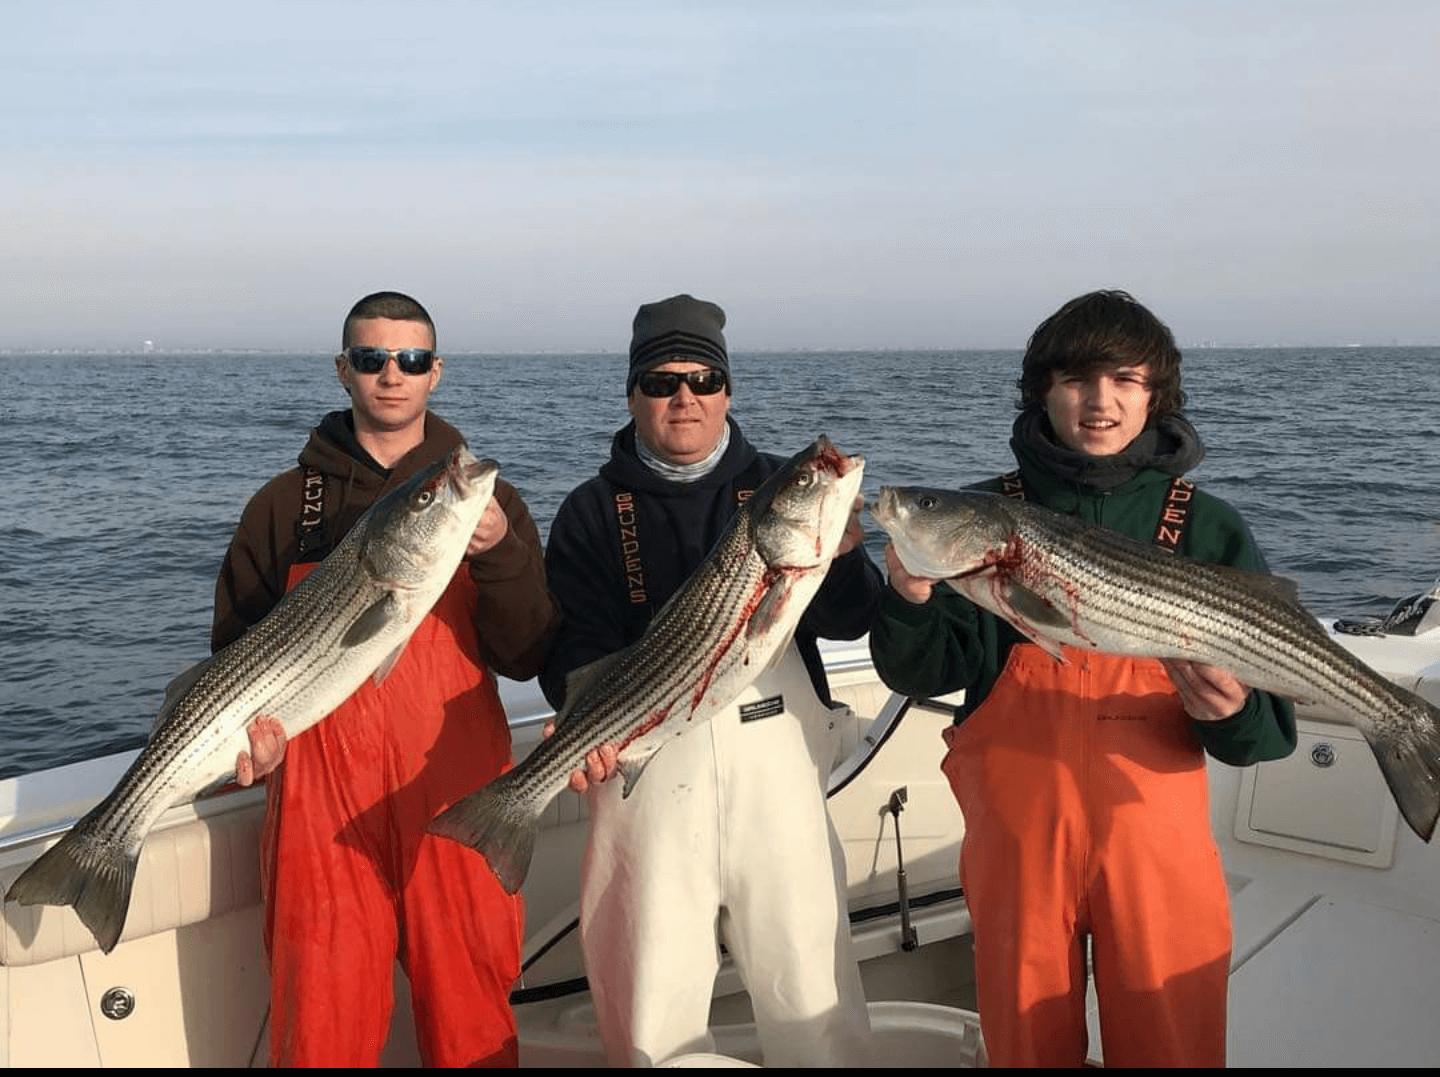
(706, 382)
(373, 360)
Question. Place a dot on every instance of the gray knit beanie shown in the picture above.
(681, 327)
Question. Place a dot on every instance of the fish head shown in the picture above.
(801, 511)
(425, 524)
(942, 534)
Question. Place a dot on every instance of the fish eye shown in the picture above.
(424, 497)
(804, 478)
(927, 501)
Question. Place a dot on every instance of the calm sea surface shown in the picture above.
(125, 475)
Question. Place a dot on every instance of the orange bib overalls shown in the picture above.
(1086, 812)
(351, 878)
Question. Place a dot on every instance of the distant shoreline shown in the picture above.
(6, 353)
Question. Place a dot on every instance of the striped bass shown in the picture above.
(1062, 581)
(347, 620)
(710, 641)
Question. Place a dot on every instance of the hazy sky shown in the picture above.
(844, 174)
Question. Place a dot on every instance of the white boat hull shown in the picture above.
(1337, 921)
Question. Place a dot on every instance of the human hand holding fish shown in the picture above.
(493, 526)
(601, 763)
(267, 750)
(1208, 693)
(1065, 583)
(915, 589)
(348, 620)
(854, 534)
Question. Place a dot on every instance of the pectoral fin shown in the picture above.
(373, 621)
(1031, 614)
(1033, 608)
(769, 612)
(578, 677)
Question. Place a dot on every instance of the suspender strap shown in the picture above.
(310, 528)
(630, 563)
(1174, 513)
(747, 482)
(632, 560)
(1011, 486)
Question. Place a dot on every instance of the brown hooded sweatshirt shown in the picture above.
(516, 615)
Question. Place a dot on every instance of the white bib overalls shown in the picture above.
(726, 832)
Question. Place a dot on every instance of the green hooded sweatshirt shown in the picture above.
(949, 643)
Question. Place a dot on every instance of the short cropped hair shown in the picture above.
(392, 305)
(1102, 331)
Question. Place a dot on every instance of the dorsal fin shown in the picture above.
(1279, 586)
(578, 677)
(176, 689)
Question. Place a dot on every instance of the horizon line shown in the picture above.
(792, 349)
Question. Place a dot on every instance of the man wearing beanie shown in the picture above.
(729, 829)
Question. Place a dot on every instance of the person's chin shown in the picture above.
(1100, 443)
(392, 418)
(683, 438)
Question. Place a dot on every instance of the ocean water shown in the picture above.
(125, 475)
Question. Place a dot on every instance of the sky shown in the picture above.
(888, 174)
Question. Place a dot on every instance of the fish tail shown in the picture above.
(498, 823)
(84, 871)
(1411, 766)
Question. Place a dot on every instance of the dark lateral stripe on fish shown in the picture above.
(297, 664)
(699, 648)
(1124, 597)
(1248, 624)
(176, 746)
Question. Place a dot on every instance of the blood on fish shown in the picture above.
(752, 603)
(833, 460)
(1021, 563)
(656, 718)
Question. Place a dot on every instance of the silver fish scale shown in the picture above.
(269, 670)
(298, 664)
(715, 635)
(708, 613)
(1139, 600)
(1060, 580)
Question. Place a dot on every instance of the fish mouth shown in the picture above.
(465, 473)
(831, 459)
(883, 507)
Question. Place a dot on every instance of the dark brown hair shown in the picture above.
(392, 305)
(1102, 331)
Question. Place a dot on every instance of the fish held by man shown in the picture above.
(1061, 581)
(347, 620)
(719, 632)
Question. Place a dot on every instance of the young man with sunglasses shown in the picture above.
(728, 830)
(350, 876)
